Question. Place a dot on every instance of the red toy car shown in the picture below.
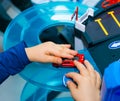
(108, 3)
(69, 62)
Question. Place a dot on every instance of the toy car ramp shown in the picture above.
(31, 25)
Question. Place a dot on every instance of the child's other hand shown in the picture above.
(87, 86)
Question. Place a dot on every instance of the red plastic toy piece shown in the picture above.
(75, 14)
(69, 62)
(108, 3)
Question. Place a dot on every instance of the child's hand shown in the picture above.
(50, 52)
(87, 86)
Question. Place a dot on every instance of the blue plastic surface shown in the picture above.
(111, 83)
(34, 93)
(65, 79)
(29, 25)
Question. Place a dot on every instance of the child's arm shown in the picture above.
(13, 60)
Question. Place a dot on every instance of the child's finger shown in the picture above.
(62, 51)
(93, 76)
(65, 45)
(53, 59)
(81, 68)
(91, 71)
(75, 76)
(98, 81)
(72, 86)
(88, 65)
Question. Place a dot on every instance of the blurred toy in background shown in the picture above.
(79, 21)
(4, 18)
(75, 14)
(80, 25)
(9, 9)
(108, 3)
(22, 4)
